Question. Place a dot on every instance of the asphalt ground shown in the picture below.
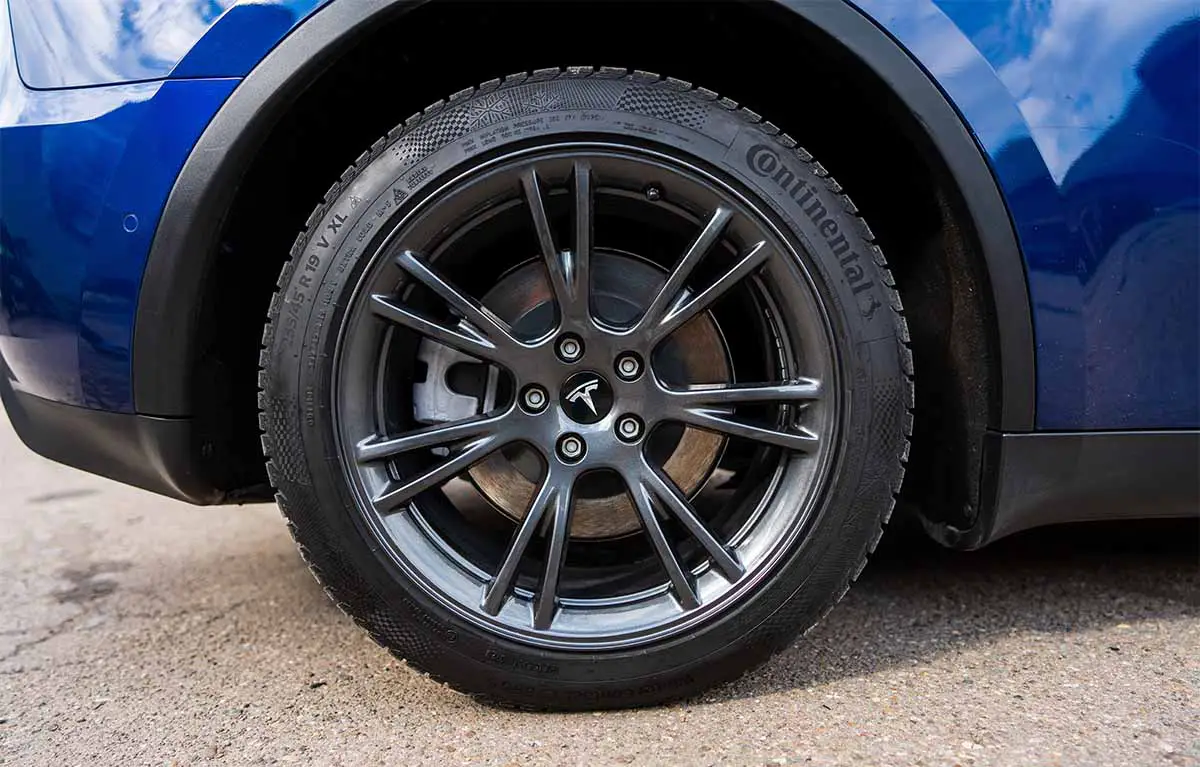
(137, 630)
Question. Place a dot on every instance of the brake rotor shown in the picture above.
(622, 287)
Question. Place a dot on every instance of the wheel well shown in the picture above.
(802, 81)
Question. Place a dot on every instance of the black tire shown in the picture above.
(318, 282)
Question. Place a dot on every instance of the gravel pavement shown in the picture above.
(135, 630)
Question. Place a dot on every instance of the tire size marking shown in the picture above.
(497, 658)
(505, 131)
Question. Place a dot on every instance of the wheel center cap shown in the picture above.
(586, 397)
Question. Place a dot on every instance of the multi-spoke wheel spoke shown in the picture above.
(674, 502)
(803, 390)
(465, 339)
(569, 269)
(793, 438)
(669, 291)
(559, 265)
(681, 579)
(681, 312)
(479, 333)
(380, 448)
(497, 590)
(397, 494)
(709, 407)
(546, 603)
(580, 271)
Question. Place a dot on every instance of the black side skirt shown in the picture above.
(156, 454)
(1039, 479)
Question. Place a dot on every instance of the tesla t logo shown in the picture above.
(583, 393)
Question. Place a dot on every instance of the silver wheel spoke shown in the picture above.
(398, 494)
(558, 265)
(380, 448)
(546, 603)
(674, 502)
(501, 584)
(801, 440)
(802, 390)
(482, 318)
(577, 264)
(681, 580)
(669, 291)
(465, 339)
(680, 313)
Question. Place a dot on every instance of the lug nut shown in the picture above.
(534, 398)
(570, 348)
(571, 448)
(629, 366)
(629, 428)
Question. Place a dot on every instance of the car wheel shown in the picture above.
(586, 389)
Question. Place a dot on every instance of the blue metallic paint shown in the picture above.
(76, 166)
(1086, 110)
(69, 44)
(79, 174)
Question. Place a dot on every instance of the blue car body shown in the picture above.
(1087, 114)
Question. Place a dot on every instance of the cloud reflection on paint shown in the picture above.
(1057, 59)
(73, 43)
(105, 41)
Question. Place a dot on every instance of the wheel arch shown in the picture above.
(185, 241)
(170, 335)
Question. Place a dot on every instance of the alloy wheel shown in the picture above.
(586, 395)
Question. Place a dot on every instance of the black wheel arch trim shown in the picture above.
(185, 242)
(167, 318)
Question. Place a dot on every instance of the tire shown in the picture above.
(828, 508)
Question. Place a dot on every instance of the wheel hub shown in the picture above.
(624, 284)
(586, 397)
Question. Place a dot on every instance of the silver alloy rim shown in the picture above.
(401, 472)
